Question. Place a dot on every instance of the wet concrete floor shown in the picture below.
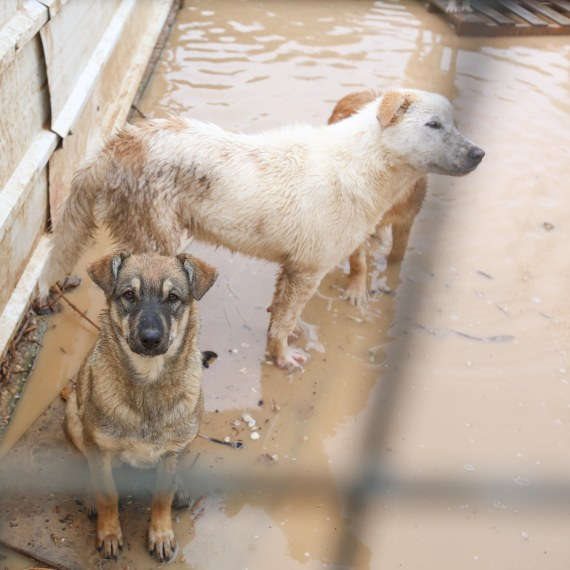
(477, 325)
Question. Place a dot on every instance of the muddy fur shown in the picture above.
(303, 197)
(141, 406)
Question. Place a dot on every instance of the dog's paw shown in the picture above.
(292, 360)
(356, 295)
(110, 544)
(46, 306)
(70, 282)
(162, 544)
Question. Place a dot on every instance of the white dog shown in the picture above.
(304, 197)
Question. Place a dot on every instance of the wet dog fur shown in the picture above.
(400, 217)
(137, 397)
(281, 195)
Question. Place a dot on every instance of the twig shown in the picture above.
(233, 444)
(139, 111)
(76, 309)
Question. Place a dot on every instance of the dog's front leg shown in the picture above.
(402, 217)
(161, 539)
(356, 290)
(109, 534)
(294, 288)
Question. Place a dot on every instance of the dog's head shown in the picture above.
(418, 127)
(150, 297)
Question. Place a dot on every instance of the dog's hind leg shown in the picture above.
(109, 534)
(161, 539)
(356, 290)
(293, 291)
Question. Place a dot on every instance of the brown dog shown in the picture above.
(138, 397)
(400, 216)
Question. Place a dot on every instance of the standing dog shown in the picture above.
(138, 397)
(400, 216)
(304, 197)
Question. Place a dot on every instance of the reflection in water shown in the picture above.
(250, 66)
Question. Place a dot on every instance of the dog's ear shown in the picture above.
(105, 271)
(201, 276)
(393, 106)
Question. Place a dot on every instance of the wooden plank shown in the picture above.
(25, 106)
(509, 18)
(54, 6)
(20, 236)
(548, 12)
(562, 4)
(8, 9)
(19, 30)
(71, 40)
(22, 294)
(466, 24)
(23, 212)
(459, 18)
(490, 12)
(522, 13)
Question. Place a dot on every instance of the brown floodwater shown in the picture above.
(480, 300)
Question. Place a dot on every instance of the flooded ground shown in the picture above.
(476, 332)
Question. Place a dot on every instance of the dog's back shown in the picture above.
(352, 103)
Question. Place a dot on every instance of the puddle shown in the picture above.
(481, 262)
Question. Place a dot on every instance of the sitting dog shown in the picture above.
(304, 197)
(137, 397)
(400, 217)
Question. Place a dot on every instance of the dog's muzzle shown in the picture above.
(476, 155)
(151, 337)
(471, 158)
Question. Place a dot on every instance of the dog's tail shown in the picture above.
(76, 226)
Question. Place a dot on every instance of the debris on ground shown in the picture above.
(18, 362)
(268, 458)
(248, 420)
(484, 274)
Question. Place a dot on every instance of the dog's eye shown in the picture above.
(173, 298)
(128, 296)
(434, 125)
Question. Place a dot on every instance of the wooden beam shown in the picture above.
(522, 13)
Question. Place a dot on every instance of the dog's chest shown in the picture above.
(145, 455)
(143, 439)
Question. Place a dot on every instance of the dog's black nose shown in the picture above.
(150, 338)
(476, 154)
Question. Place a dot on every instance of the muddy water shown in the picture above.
(486, 384)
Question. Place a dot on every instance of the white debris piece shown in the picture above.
(248, 420)
(254, 435)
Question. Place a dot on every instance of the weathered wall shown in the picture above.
(69, 70)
